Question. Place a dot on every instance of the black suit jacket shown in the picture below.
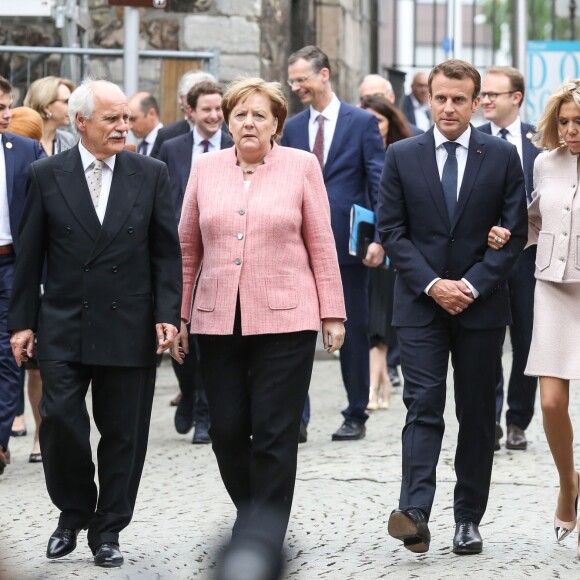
(106, 286)
(422, 243)
(529, 154)
(176, 154)
(169, 132)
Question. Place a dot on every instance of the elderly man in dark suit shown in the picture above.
(441, 193)
(416, 105)
(204, 100)
(502, 95)
(100, 220)
(350, 150)
(16, 155)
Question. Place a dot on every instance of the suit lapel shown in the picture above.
(342, 125)
(9, 164)
(529, 154)
(428, 163)
(73, 187)
(185, 152)
(301, 131)
(475, 156)
(124, 192)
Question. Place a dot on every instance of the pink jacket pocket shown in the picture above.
(282, 292)
(206, 294)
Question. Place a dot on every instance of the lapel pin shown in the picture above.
(529, 135)
(8, 145)
(478, 151)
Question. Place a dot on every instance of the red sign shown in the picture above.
(140, 3)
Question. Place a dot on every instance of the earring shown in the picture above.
(48, 115)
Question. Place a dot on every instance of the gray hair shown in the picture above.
(378, 78)
(192, 78)
(82, 99)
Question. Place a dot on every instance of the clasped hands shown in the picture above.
(454, 296)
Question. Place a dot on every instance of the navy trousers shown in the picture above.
(521, 394)
(11, 376)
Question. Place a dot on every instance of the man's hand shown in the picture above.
(454, 296)
(375, 255)
(498, 237)
(181, 344)
(165, 336)
(332, 334)
(22, 343)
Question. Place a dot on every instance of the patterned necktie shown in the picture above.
(205, 145)
(504, 134)
(449, 178)
(95, 180)
(143, 147)
(318, 149)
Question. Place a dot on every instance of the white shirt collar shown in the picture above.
(463, 139)
(330, 112)
(150, 137)
(515, 129)
(215, 140)
(87, 157)
(417, 104)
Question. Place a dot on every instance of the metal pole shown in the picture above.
(458, 29)
(131, 51)
(522, 43)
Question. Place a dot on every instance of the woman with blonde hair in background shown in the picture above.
(49, 96)
(28, 123)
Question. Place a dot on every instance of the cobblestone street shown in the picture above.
(344, 495)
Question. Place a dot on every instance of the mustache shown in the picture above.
(117, 135)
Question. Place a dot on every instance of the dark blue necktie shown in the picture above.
(504, 133)
(449, 178)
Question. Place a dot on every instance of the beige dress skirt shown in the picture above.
(555, 348)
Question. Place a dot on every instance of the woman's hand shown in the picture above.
(498, 237)
(332, 334)
(181, 344)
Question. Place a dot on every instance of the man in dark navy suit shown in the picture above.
(350, 150)
(502, 96)
(204, 102)
(441, 193)
(16, 155)
(416, 105)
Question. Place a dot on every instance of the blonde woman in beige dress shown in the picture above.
(554, 225)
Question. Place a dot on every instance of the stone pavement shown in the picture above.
(344, 494)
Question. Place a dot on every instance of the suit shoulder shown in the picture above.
(144, 161)
(296, 118)
(19, 140)
(485, 128)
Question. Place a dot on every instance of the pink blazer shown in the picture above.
(272, 242)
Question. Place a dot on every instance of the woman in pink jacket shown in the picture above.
(257, 244)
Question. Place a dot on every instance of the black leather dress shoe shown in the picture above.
(410, 526)
(467, 539)
(201, 433)
(184, 415)
(303, 433)
(498, 436)
(350, 431)
(394, 376)
(62, 542)
(108, 555)
(516, 438)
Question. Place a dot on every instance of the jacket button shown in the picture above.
(451, 239)
(242, 211)
(131, 230)
(86, 268)
(68, 230)
(240, 236)
(114, 305)
(238, 261)
(115, 269)
(85, 305)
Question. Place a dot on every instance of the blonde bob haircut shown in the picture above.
(548, 135)
(240, 89)
(43, 92)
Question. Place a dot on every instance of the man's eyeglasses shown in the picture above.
(300, 80)
(493, 96)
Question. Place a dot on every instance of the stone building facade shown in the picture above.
(254, 37)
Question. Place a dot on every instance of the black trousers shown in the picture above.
(256, 388)
(122, 400)
(475, 356)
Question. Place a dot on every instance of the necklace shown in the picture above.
(248, 170)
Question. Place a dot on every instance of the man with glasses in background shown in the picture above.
(502, 95)
(349, 148)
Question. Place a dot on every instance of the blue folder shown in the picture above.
(362, 232)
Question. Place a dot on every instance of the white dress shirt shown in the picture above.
(87, 159)
(150, 139)
(215, 143)
(422, 114)
(514, 135)
(330, 115)
(5, 232)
